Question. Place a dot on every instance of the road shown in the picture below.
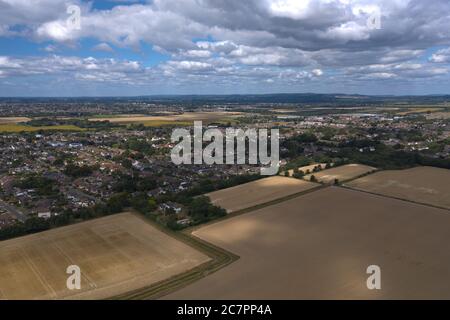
(15, 212)
(80, 194)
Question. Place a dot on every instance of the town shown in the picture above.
(57, 169)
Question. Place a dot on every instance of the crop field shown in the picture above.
(258, 192)
(14, 128)
(305, 169)
(165, 119)
(160, 123)
(116, 254)
(342, 173)
(438, 115)
(319, 245)
(422, 184)
(13, 120)
(420, 109)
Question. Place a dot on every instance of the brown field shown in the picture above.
(438, 115)
(422, 184)
(306, 168)
(258, 192)
(116, 254)
(319, 245)
(419, 110)
(15, 128)
(342, 173)
(13, 120)
(185, 117)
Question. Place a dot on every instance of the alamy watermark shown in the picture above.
(74, 280)
(73, 22)
(228, 149)
(374, 280)
(374, 20)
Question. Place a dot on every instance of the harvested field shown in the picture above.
(13, 120)
(422, 184)
(305, 169)
(319, 245)
(258, 192)
(438, 115)
(419, 110)
(14, 128)
(185, 117)
(116, 254)
(342, 173)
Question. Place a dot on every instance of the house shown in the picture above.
(44, 215)
(184, 222)
(168, 206)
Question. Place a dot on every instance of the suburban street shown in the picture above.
(15, 212)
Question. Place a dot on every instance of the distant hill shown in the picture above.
(308, 98)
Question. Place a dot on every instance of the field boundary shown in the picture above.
(189, 230)
(392, 197)
(219, 259)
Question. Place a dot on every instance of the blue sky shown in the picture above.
(126, 47)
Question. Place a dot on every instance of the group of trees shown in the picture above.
(117, 203)
(42, 185)
(386, 157)
(81, 123)
(134, 183)
(208, 185)
(137, 144)
(75, 171)
(293, 147)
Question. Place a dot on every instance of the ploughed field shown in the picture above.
(320, 244)
(421, 184)
(258, 192)
(342, 173)
(116, 254)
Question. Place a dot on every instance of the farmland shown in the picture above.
(15, 128)
(306, 169)
(420, 109)
(187, 117)
(258, 192)
(319, 245)
(116, 254)
(13, 120)
(421, 184)
(342, 173)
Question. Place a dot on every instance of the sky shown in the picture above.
(132, 47)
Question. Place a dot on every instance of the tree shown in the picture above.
(299, 175)
(75, 171)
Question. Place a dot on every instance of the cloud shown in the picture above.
(103, 47)
(441, 56)
(235, 41)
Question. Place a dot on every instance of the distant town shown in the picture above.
(66, 161)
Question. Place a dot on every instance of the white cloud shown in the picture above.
(103, 47)
(441, 56)
(254, 40)
(317, 72)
